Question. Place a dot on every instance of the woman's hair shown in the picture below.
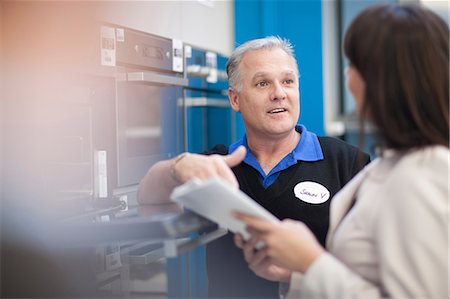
(402, 53)
(267, 43)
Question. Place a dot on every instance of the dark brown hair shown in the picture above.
(402, 53)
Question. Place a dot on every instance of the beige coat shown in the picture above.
(394, 243)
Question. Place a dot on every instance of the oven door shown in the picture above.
(149, 127)
(209, 120)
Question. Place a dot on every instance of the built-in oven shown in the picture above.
(148, 116)
(148, 127)
(79, 140)
(208, 116)
(104, 126)
(209, 120)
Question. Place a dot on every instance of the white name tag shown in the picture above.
(311, 192)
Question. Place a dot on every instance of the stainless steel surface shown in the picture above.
(151, 229)
(173, 247)
(149, 122)
(143, 50)
(142, 253)
(139, 131)
(200, 71)
(206, 102)
(154, 78)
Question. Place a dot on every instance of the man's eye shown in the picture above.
(288, 81)
(261, 84)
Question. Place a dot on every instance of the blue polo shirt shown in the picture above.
(307, 149)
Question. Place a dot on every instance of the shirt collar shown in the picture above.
(307, 149)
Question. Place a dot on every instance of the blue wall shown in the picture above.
(300, 21)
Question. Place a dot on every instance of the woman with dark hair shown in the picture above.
(388, 226)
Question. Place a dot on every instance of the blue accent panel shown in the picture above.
(301, 22)
(269, 13)
(248, 20)
(197, 58)
(221, 85)
(187, 276)
(197, 271)
(196, 131)
(240, 129)
(219, 130)
(302, 25)
(196, 124)
(178, 277)
(207, 126)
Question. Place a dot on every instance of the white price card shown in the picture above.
(177, 55)
(108, 46)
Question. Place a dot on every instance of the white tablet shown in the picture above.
(215, 199)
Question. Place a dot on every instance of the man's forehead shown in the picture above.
(261, 61)
(287, 72)
(262, 53)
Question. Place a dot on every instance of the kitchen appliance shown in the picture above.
(83, 123)
(208, 115)
(209, 120)
(149, 87)
(101, 126)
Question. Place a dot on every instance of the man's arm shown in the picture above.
(162, 177)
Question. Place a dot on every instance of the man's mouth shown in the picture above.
(277, 110)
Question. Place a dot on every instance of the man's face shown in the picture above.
(269, 96)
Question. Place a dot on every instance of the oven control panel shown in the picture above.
(132, 48)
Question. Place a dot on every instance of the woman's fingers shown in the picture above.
(258, 257)
(239, 241)
(249, 249)
(255, 224)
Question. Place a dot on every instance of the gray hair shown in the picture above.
(267, 43)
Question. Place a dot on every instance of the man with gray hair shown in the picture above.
(288, 170)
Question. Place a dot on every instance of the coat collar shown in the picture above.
(343, 200)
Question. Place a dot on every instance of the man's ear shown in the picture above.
(233, 96)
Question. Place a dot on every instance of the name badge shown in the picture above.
(311, 192)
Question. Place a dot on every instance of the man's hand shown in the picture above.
(204, 167)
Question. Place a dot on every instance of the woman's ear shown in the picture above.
(233, 96)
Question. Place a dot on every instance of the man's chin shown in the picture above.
(280, 131)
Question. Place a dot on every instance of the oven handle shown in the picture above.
(206, 102)
(153, 78)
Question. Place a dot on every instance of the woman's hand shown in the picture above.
(260, 263)
(289, 244)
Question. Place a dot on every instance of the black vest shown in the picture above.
(228, 273)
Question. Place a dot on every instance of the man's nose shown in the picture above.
(278, 92)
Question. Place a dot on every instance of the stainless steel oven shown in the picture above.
(94, 131)
(78, 139)
(208, 115)
(148, 102)
(149, 127)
